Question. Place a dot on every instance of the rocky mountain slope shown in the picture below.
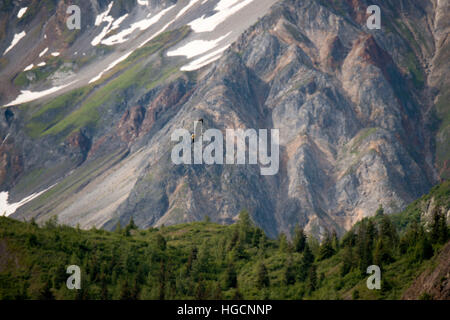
(362, 114)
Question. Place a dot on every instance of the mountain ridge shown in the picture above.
(359, 125)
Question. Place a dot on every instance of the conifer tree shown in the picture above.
(192, 257)
(200, 291)
(282, 243)
(299, 240)
(257, 237)
(335, 241)
(382, 253)
(326, 249)
(262, 276)
(125, 291)
(230, 280)
(380, 211)
(308, 256)
(347, 261)
(217, 292)
(289, 272)
(245, 227)
(312, 279)
(160, 242)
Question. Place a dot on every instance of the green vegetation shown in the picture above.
(203, 260)
(38, 74)
(81, 107)
(414, 69)
(54, 112)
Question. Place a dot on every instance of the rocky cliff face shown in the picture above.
(361, 115)
(433, 283)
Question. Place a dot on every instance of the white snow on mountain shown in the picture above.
(7, 209)
(186, 8)
(27, 96)
(196, 47)
(43, 52)
(225, 8)
(22, 11)
(16, 39)
(28, 68)
(112, 65)
(142, 25)
(204, 60)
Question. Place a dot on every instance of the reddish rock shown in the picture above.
(358, 11)
(171, 96)
(130, 123)
(78, 141)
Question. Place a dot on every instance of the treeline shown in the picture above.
(204, 260)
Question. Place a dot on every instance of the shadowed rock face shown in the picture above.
(351, 138)
(352, 107)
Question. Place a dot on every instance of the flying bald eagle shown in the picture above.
(198, 129)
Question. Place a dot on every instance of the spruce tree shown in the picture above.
(347, 261)
(262, 276)
(192, 257)
(335, 241)
(230, 280)
(299, 240)
(282, 243)
(326, 249)
(125, 291)
(312, 279)
(308, 256)
(289, 272)
(245, 227)
(217, 292)
(161, 242)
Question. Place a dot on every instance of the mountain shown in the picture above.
(362, 114)
(204, 260)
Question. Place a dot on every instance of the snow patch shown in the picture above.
(204, 60)
(17, 38)
(104, 15)
(224, 8)
(141, 25)
(22, 11)
(196, 47)
(116, 24)
(27, 96)
(156, 34)
(186, 8)
(43, 52)
(112, 65)
(7, 209)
